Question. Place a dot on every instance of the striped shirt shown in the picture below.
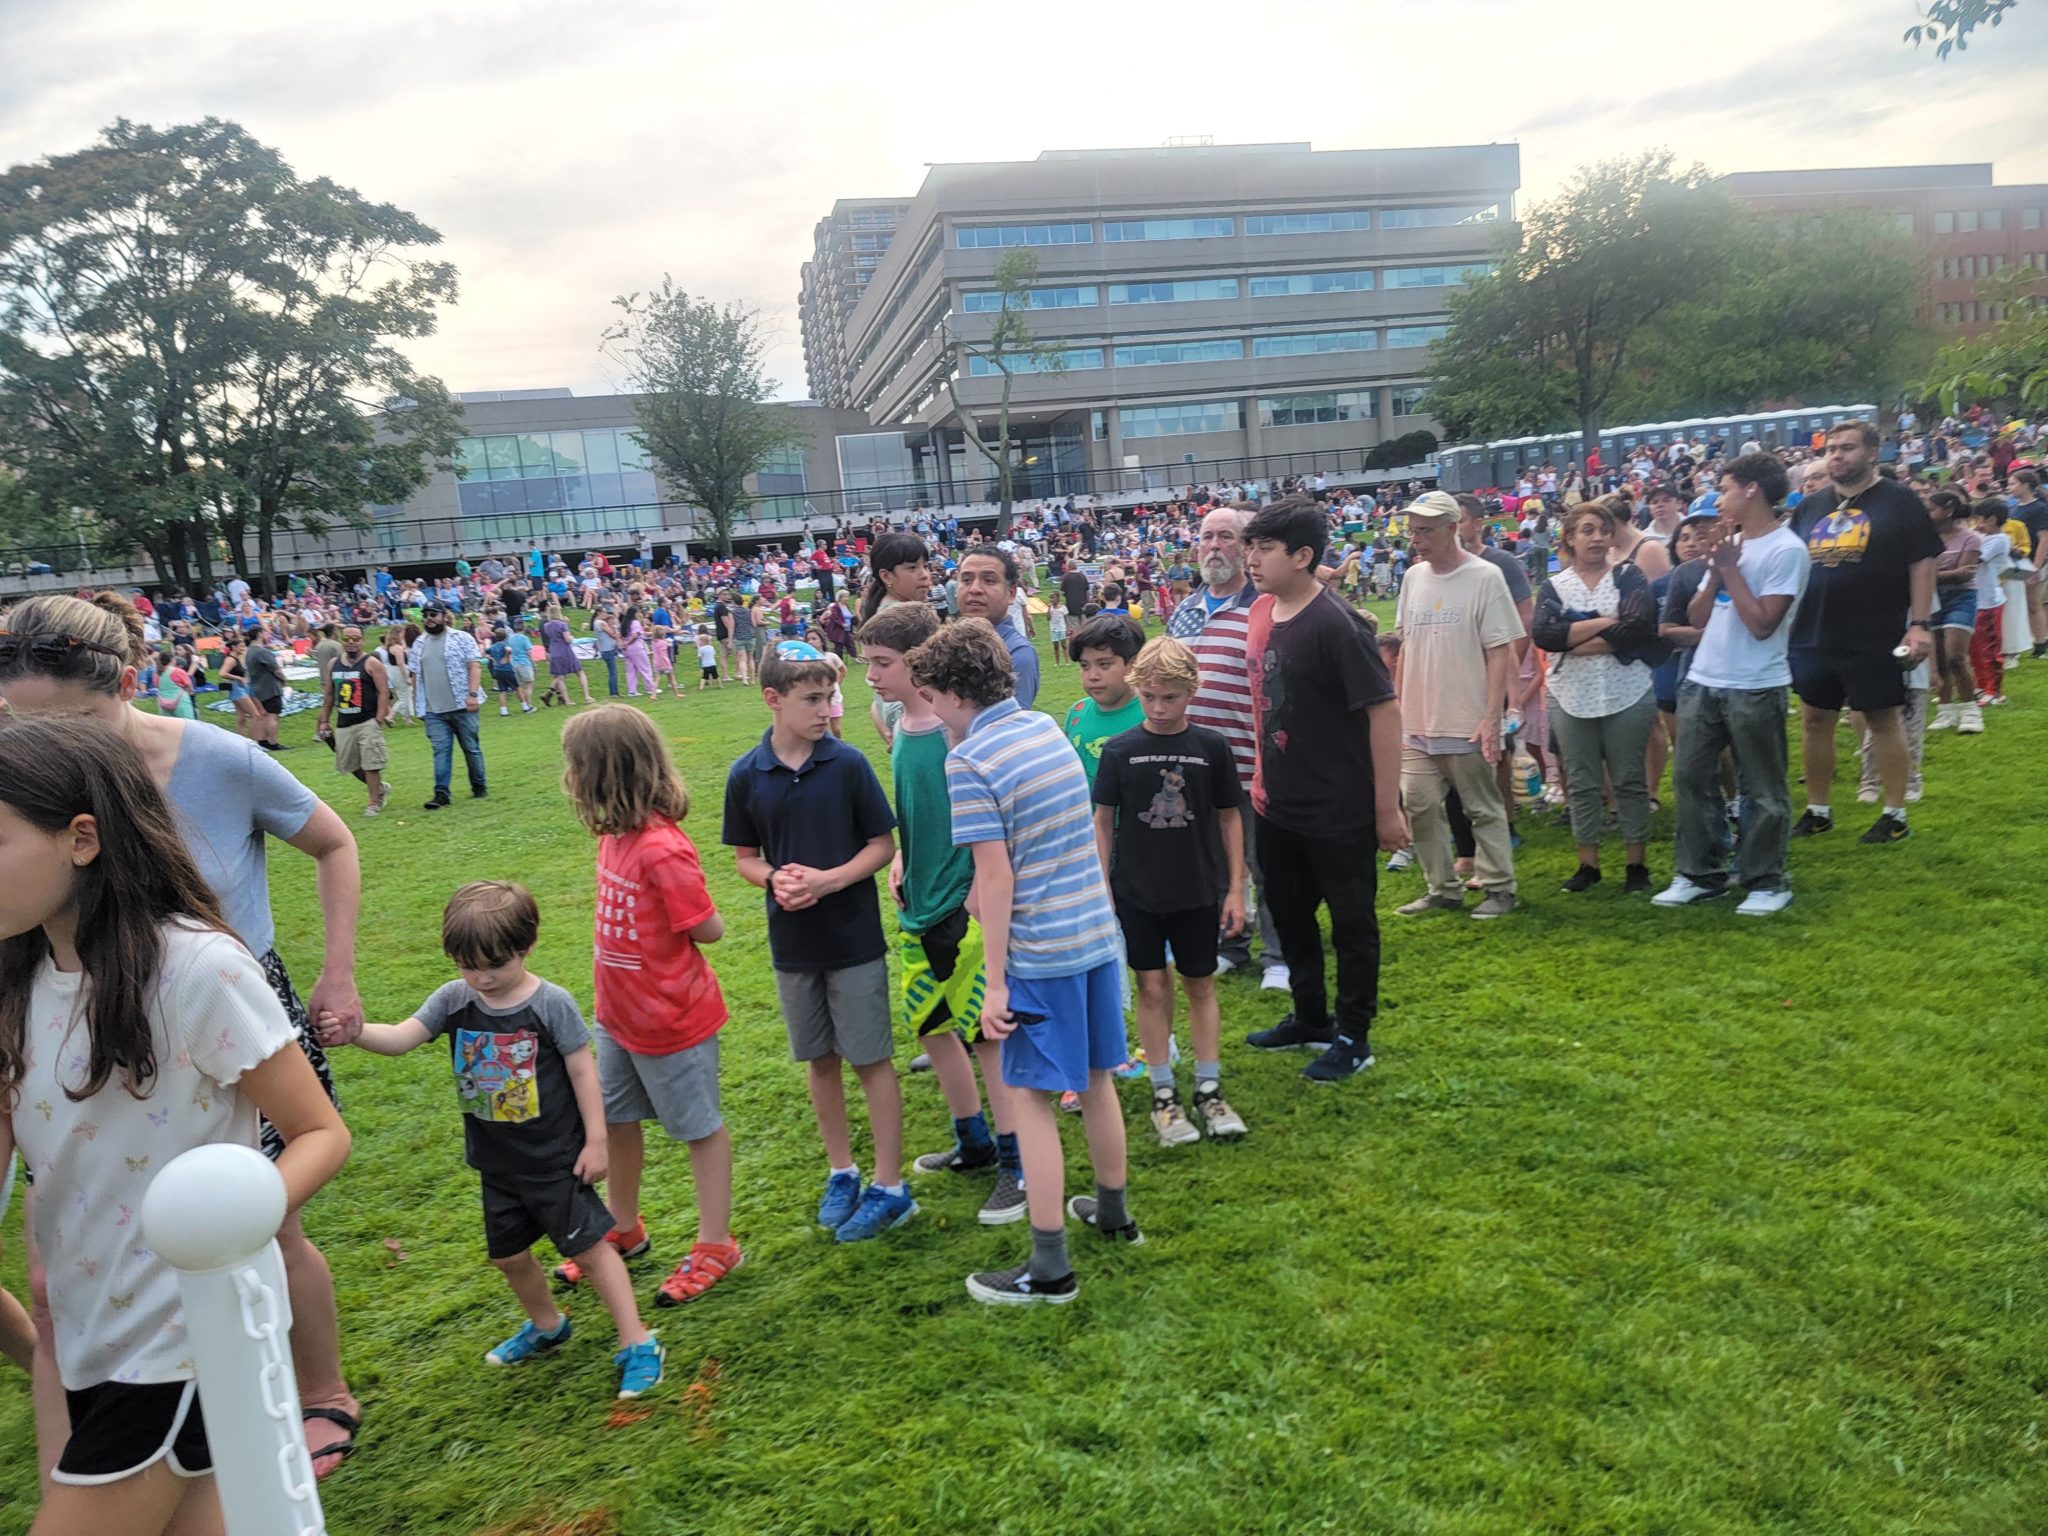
(1220, 642)
(1014, 780)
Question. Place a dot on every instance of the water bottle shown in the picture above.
(1534, 782)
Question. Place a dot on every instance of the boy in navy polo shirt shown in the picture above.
(1053, 993)
(808, 823)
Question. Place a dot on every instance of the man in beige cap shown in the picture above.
(1458, 627)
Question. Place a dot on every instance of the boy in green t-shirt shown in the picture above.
(1104, 647)
(941, 945)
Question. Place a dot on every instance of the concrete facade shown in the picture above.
(1401, 216)
(847, 246)
(1968, 226)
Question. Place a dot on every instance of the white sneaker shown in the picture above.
(1971, 721)
(1682, 892)
(1276, 978)
(1944, 718)
(1402, 859)
(502, 710)
(1866, 796)
(1914, 794)
(1764, 903)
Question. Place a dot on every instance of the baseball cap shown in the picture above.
(1434, 504)
(432, 606)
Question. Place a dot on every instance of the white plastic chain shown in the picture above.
(294, 1467)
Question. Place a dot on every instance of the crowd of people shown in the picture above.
(1248, 744)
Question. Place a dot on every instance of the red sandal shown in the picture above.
(707, 1264)
(630, 1245)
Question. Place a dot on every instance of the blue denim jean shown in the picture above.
(444, 731)
(611, 671)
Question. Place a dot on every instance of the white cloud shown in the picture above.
(572, 151)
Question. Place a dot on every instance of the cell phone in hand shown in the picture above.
(1025, 1018)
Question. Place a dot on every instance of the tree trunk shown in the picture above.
(202, 554)
(174, 538)
(1589, 435)
(266, 551)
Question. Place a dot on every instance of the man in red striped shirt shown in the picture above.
(1211, 621)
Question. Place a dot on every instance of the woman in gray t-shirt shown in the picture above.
(230, 799)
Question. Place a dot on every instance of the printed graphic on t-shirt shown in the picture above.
(494, 1074)
(618, 920)
(1169, 807)
(1841, 538)
(348, 692)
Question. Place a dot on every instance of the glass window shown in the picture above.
(1310, 410)
(1181, 292)
(632, 453)
(1167, 229)
(1181, 420)
(2030, 218)
(1434, 218)
(601, 452)
(1966, 222)
(567, 449)
(1436, 277)
(1320, 223)
(1994, 218)
(1024, 362)
(502, 455)
(1149, 353)
(975, 236)
(1415, 335)
(469, 459)
(1902, 224)
(1098, 426)
(1944, 223)
(988, 301)
(1408, 399)
(1282, 286)
(1314, 341)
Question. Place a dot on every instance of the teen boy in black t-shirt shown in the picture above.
(1326, 786)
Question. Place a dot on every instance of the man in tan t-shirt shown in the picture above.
(1457, 627)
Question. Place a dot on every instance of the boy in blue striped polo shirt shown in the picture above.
(1054, 954)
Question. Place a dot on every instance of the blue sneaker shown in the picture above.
(842, 1194)
(528, 1342)
(878, 1212)
(640, 1367)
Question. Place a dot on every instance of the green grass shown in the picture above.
(1646, 1222)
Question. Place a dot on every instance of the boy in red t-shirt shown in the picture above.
(659, 1008)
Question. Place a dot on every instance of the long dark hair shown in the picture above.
(54, 768)
(888, 552)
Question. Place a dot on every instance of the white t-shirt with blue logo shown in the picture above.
(1728, 655)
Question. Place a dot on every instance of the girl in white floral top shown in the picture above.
(133, 1027)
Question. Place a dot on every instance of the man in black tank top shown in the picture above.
(357, 699)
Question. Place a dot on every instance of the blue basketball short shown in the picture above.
(1080, 1029)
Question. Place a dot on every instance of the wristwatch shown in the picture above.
(1920, 624)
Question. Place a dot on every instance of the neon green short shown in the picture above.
(943, 976)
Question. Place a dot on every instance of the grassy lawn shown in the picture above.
(1646, 1222)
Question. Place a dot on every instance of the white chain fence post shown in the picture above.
(213, 1215)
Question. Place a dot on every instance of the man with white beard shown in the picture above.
(1211, 621)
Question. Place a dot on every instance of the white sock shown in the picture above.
(854, 1170)
(1819, 810)
(1896, 810)
(892, 1189)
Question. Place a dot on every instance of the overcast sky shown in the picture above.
(572, 150)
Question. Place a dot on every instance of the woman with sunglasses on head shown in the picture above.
(62, 654)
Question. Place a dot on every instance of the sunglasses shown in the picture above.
(50, 653)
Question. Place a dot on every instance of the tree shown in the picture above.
(1694, 305)
(703, 410)
(1408, 448)
(1010, 350)
(1551, 332)
(199, 346)
(2007, 364)
(1947, 24)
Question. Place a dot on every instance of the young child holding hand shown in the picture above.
(533, 1118)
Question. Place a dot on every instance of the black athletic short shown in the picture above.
(1193, 935)
(518, 1212)
(1864, 680)
(117, 1430)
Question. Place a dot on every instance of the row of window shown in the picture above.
(1971, 312)
(1967, 221)
(1320, 221)
(1224, 349)
(1191, 417)
(1206, 289)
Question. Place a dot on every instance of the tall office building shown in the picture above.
(1211, 303)
(1968, 226)
(847, 247)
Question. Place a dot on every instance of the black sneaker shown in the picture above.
(957, 1160)
(1888, 828)
(1345, 1058)
(1288, 1035)
(1637, 881)
(1584, 878)
(1810, 825)
(1016, 1288)
(438, 803)
(1082, 1209)
(478, 794)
